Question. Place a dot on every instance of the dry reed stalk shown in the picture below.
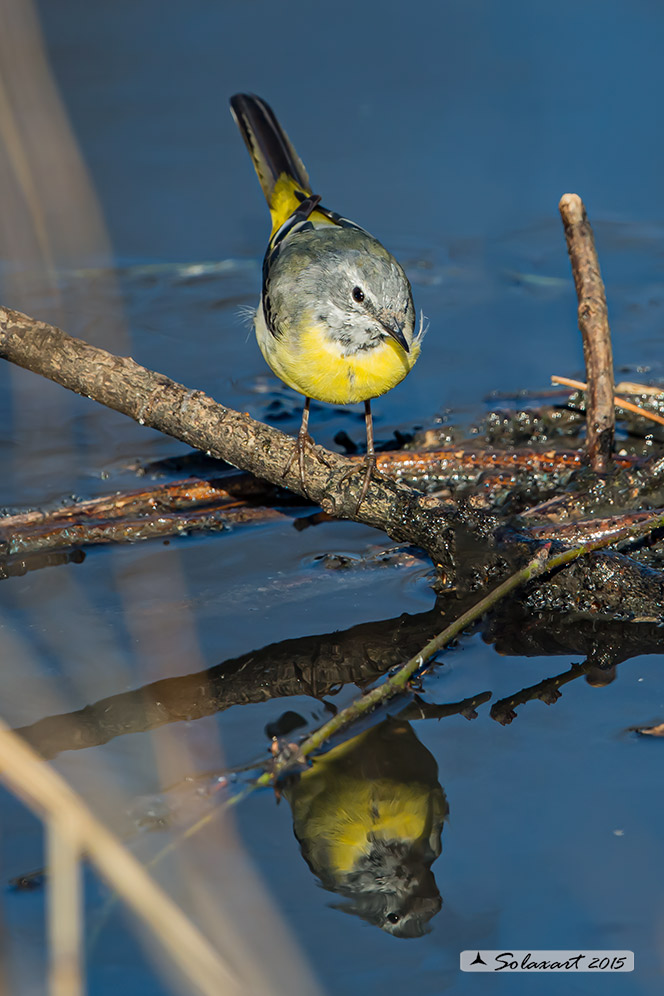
(48, 795)
(65, 924)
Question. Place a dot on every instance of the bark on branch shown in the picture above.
(463, 541)
(154, 400)
(594, 326)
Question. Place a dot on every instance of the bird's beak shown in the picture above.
(393, 329)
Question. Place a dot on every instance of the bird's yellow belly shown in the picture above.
(316, 367)
(378, 817)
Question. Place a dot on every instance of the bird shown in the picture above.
(336, 320)
(369, 815)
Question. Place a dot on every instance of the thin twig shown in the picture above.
(579, 385)
(397, 683)
(594, 326)
(633, 387)
(585, 530)
(174, 496)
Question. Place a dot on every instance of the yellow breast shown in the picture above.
(316, 366)
(369, 811)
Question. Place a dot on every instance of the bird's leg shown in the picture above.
(303, 438)
(370, 461)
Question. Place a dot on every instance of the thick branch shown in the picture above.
(154, 400)
(195, 504)
(594, 326)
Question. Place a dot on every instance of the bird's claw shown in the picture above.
(369, 464)
(303, 441)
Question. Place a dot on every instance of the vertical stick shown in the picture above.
(64, 909)
(594, 326)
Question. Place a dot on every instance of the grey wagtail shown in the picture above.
(336, 320)
(369, 816)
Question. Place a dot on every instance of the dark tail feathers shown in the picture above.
(269, 146)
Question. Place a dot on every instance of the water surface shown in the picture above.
(450, 132)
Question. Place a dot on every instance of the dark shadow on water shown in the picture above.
(319, 665)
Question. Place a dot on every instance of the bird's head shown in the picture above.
(348, 285)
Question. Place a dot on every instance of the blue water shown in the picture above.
(450, 131)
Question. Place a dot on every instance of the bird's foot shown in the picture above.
(370, 470)
(304, 441)
(369, 467)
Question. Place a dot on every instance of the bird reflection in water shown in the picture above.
(368, 815)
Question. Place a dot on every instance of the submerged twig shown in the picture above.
(194, 504)
(585, 530)
(47, 538)
(594, 326)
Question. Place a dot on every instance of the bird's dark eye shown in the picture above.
(358, 294)
(393, 917)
